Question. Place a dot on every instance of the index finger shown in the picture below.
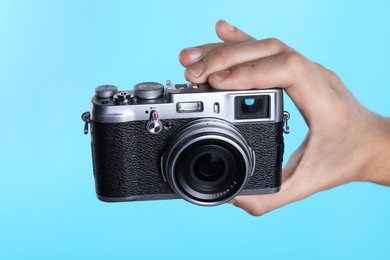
(226, 32)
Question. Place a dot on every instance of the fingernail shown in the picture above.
(196, 69)
(230, 27)
(221, 75)
(193, 53)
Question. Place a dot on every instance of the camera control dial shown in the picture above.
(154, 126)
(106, 91)
(148, 90)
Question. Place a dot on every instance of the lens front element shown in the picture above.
(208, 162)
(209, 167)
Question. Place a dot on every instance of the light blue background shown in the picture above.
(53, 54)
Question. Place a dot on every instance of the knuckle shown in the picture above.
(222, 53)
(332, 77)
(227, 83)
(189, 77)
(295, 62)
(328, 74)
(275, 42)
(274, 45)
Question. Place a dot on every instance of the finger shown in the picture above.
(226, 32)
(227, 56)
(295, 188)
(265, 72)
(229, 33)
(288, 70)
(294, 160)
(260, 204)
(191, 55)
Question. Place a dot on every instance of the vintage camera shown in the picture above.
(185, 141)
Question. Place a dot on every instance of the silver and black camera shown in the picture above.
(185, 141)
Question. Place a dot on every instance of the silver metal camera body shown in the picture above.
(185, 141)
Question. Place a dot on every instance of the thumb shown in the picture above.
(258, 205)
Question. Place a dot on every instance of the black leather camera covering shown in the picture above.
(126, 158)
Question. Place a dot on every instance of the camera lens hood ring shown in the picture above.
(205, 130)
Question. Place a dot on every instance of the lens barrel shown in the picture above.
(208, 162)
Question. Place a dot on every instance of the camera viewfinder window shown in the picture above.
(252, 107)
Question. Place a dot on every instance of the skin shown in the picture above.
(345, 142)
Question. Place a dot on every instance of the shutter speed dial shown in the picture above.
(148, 90)
(154, 126)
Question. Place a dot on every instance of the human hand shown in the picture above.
(345, 141)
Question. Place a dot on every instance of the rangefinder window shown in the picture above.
(189, 107)
(252, 107)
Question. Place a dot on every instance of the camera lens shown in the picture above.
(209, 167)
(208, 162)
